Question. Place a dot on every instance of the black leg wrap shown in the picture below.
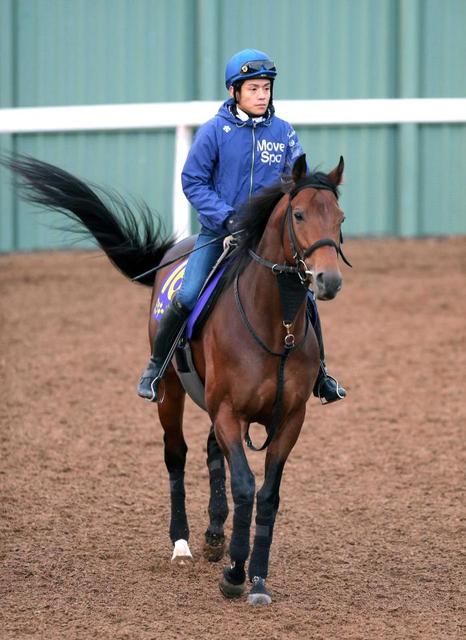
(179, 522)
(259, 563)
(243, 489)
(175, 460)
(218, 505)
(268, 500)
(239, 545)
(243, 495)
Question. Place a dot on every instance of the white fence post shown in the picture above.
(181, 207)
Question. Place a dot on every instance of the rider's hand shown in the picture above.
(229, 242)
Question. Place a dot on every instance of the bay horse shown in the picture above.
(257, 354)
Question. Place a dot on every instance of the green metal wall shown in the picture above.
(406, 179)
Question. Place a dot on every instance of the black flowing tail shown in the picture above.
(134, 242)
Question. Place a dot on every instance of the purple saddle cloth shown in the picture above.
(202, 301)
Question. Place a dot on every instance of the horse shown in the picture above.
(256, 354)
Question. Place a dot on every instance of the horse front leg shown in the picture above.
(171, 418)
(268, 499)
(214, 546)
(228, 433)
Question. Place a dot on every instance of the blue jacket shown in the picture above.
(231, 160)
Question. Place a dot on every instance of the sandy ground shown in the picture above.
(370, 538)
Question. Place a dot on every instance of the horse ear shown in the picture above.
(299, 168)
(336, 176)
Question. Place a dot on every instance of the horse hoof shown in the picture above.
(214, 552)
(181, 553)
(228, 587)
(230, 590)
(259, 593)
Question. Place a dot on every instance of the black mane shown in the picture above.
(255, 214)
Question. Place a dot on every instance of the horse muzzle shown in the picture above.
(327, 284)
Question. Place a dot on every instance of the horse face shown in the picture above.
(316, 216)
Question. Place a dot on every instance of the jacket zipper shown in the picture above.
(252, 159)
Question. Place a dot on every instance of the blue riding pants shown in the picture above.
(199, 266)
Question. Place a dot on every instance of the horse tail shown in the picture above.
(134, 241)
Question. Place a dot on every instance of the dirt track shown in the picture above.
(370, 538)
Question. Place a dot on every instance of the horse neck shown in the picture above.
(259, 287)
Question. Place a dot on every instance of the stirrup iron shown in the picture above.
(154, 385)
(340, 395)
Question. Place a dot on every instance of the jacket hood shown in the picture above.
(227, 112)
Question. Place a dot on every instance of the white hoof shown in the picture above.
(181, 553)
(259, 598)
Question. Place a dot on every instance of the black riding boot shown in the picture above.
(326, 388)
(169, 327)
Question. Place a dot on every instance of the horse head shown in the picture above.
(313, 224)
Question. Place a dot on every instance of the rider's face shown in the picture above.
(253, 96)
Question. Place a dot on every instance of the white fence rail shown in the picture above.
(183, 116)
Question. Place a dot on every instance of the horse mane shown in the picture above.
(254, 216)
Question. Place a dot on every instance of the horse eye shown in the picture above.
(298, 215)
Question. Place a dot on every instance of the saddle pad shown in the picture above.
(202, 309)
(172, 284)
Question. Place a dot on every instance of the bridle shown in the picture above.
(299, 256)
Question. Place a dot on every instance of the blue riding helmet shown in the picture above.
(249, 63)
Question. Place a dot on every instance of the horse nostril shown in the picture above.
(328, 284)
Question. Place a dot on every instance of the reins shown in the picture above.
(183, 255)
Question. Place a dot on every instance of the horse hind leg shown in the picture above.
(214, 545)
(171, 418)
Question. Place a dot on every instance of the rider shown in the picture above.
(219, 175)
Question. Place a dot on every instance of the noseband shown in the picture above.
(300, 256)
